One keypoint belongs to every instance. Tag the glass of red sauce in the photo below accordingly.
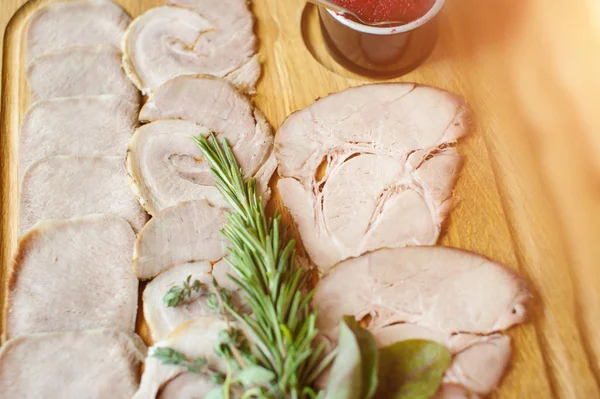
(381, 51)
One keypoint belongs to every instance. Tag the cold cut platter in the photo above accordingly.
(422, 206)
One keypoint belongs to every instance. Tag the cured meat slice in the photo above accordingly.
(76, 23)
(370, 167)
(98, 125)
(184, 233)
(73, 364)
(168, 168)
(194, 339)
(216, 105)
(66, 186)
(79, 71)
(79, 267)
(440, 288)
(213, 37)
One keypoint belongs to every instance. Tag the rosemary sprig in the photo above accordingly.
(282, 323)
(177, 294)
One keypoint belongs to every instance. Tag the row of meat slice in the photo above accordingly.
(368, 176)
(72, 270)
(74, 137)
(190, 37)
(175, 185)
(170, 177)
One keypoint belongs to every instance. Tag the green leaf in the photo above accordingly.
(216, 393)
(255, 375)
(411, 369)
(354, 371)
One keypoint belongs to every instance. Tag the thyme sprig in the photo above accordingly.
(177, 294)
(282, 324)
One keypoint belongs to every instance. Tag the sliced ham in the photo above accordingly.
(73, 364)
(66, 186)
(218, 106)
(213, 37)
(79, 71)
(457, 298)
(82, 268)
(194, 339)
(184, 233)
(97, 125)
(167, 166)
(76, 23)
(370, 167)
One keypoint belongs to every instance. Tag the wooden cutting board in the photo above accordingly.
(530, 191)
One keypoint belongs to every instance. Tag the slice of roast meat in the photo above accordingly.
(370, 167)
(480, 367)
(184, 233)
(97, 125)
(194, 339)
(161, 319)
(478, 363)
(72, 364)
(213, 37)
(79, 267)
(79, 71)
(187, 386)
(218, 106)
(167, 166)
(66, 186)
(76, 23)
(444, 289)
(454, 297)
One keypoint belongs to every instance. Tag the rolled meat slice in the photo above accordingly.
(194, 339)
(82, 268)
(79, 71)
(213, 104)
(168, 168)
(185, 233)
(187, 386)
(370, 167)
(96, 125)
(67, 186)
(72, 364)
(57, 26)
(212, 37)
(162, 319)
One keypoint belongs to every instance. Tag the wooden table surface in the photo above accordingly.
(530, 192)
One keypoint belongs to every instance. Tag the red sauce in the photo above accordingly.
(388, 10)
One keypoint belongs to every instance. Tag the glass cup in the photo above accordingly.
(381, 52)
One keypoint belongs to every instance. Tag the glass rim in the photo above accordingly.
(390, 30)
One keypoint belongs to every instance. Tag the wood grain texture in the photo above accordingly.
(530, 191)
